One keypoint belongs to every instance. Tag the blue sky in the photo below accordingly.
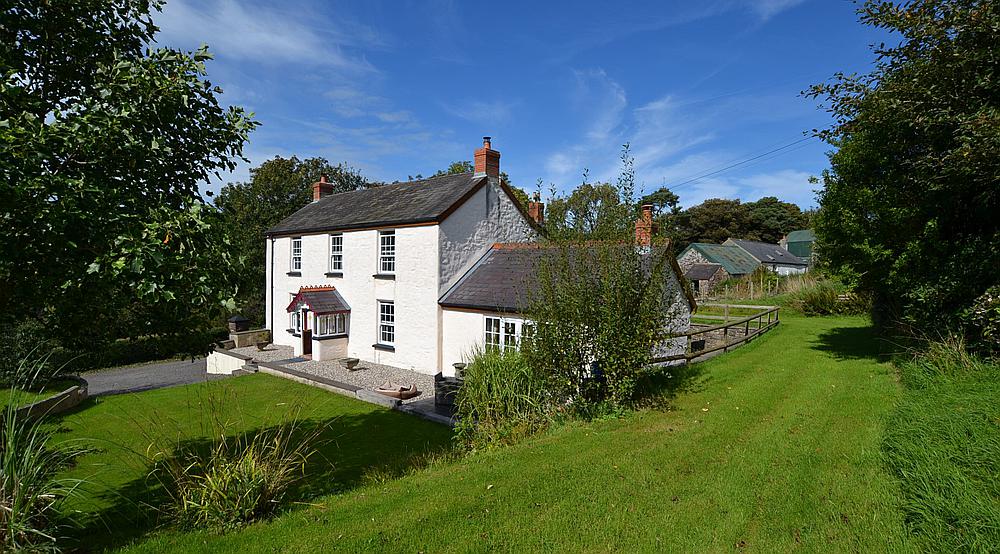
(398, 88)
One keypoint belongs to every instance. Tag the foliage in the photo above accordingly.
(31, 492)
(982, 322)
(277, 188)
(717, 219)
(240, 481)
(663, 200)
(104, 140)
(502, 399)
(602, 307)
(908, 208)
(943, 444)
(828, 297)
(463, 166)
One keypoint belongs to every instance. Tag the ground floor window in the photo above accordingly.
(504, 331)
(295, 321)
(332, 324)
(386, 323)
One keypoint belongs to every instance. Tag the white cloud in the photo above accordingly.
(491, 112)
(244, 31)
(766, 9)
(788, 184)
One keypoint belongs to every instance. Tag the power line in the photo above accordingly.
(737, 164)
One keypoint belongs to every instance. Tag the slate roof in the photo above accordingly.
(321, 300)
(698, 272)
(423, 201)
(504, 277)
(736, 260)
(768, 253)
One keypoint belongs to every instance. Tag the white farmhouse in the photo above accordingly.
(405, 274)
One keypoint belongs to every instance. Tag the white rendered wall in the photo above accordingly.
(461, 331)
(487, 217)
(414, 292)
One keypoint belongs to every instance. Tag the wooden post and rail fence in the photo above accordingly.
(733, 333)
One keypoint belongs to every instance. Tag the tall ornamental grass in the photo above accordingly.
(501, 399)
(31, 493)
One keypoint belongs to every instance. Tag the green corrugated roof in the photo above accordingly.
(805, 235)
(800, 243)
(733, 258)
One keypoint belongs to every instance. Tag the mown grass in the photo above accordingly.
(22, 397)
(358, 443)
(943, 443)
(774, 447)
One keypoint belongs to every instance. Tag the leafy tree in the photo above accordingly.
(664, 201)
(909, 206)
(104, 140)
(588, 211)
(277, 189)
(463, 166)
(769, 219)
(714, 220)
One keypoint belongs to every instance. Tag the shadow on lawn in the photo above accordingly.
(851, 343)
(352, 450)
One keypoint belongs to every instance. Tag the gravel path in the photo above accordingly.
(369, 375)
(146, 377)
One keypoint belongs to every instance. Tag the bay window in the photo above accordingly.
(331, 324)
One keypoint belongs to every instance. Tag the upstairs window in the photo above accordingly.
(337, 252)
(296, 264)
(332, 324)
(386, 323)
(387, 252)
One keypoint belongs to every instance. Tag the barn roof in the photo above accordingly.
(768, 253)
(735, 260)
(698, 272)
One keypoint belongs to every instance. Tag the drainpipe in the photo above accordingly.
(270, 305)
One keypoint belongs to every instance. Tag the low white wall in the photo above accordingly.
(222, 362)
(329, 349)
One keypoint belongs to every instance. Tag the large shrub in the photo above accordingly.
(982, 322)
(908, 207)
(502, 399)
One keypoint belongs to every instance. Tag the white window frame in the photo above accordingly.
(387, 252)
(331, 325)
(386, 323)
(294, 317)
(295, 254)
(502, 331)
(336, 252)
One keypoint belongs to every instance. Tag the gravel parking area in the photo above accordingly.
(368, 375)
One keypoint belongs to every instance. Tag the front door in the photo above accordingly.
(307, 334)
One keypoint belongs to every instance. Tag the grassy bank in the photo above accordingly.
(776, 447)
(361, 443)
(943, 443)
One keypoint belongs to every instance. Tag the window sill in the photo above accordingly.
(335, 274)
(294, 274)
(293, 333)
(324, 337)
(387, 276)
(386, 347)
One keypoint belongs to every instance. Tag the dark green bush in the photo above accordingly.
(982, 323)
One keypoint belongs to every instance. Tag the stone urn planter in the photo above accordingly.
(459, 368)
(350, 364)
(262, 345)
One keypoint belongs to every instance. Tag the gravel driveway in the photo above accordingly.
(146, 377)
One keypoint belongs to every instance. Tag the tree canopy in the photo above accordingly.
(104, 140)
(909, 206)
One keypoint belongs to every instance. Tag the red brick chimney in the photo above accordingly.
(536, 209)
(322, 188)
(487, 160)
(644, 226)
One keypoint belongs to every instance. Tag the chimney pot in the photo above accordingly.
(487, 160)
(536, 210)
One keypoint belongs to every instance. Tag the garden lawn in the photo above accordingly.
(361, 442)
(775, 447)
